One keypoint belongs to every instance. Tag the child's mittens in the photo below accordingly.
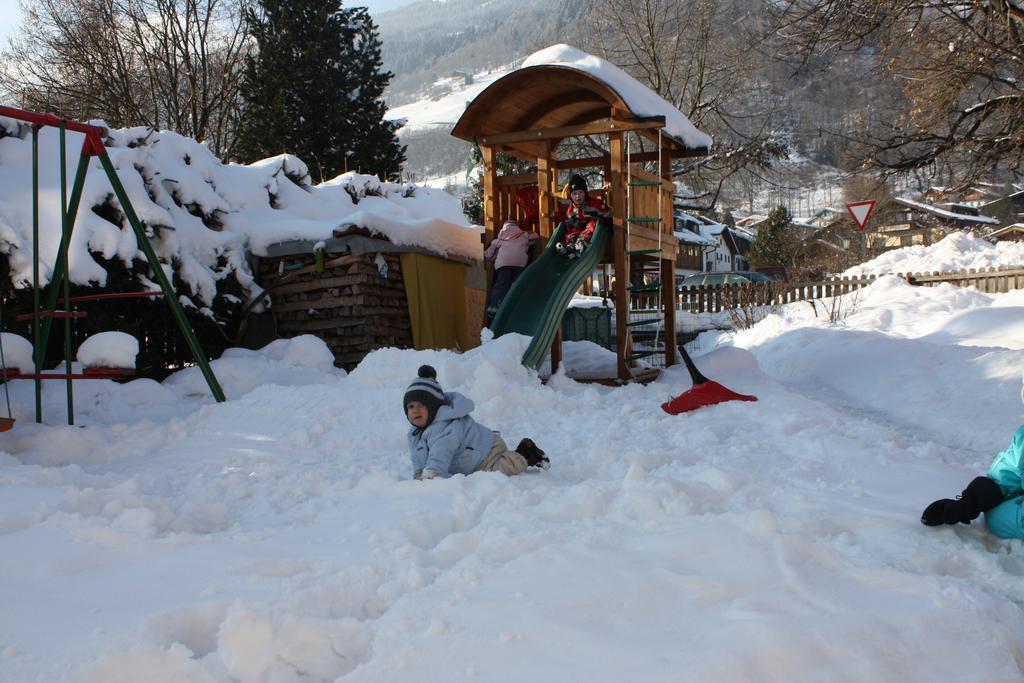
(944, 511)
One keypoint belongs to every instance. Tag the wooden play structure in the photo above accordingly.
(529, 114)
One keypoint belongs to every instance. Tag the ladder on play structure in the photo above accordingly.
(641, 320)
(42, 316)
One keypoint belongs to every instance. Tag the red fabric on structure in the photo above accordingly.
(528, 199)
(707, 394)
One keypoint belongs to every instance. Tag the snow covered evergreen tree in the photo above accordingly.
(312, 87)
(775, 244)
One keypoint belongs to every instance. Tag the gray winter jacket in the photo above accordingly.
(454, 443)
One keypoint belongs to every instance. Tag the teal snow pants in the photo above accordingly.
(1006, 520)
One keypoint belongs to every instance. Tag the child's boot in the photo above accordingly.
(534, 456)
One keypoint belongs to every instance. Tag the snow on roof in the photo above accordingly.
(171, 180)
(641, 100)
(751, 220)
(690, 237)
(703, 230)
(944, 213)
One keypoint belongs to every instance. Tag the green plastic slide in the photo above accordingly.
(538, 299)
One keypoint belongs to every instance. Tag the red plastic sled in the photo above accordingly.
(704, 392)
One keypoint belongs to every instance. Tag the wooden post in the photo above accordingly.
(546, 177)
(668, 302)
(668, 266)
(492, 221)
(492, 209)
(556, 351)
(617, 180)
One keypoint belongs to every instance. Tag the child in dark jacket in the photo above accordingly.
(444, 439)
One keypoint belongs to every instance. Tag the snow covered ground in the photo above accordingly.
(956, 251)
(278, 537)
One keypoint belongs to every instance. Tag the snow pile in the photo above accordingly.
(279, 536)
(17, 352)
(641, 100)
(109, 350)
(957, 251)
(204, 215)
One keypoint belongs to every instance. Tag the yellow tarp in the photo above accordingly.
(436, 291)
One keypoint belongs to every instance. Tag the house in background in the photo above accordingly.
(1011, 233)
(913, 222)
(1008, 209)
(721, 248)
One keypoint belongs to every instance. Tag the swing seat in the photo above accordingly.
(706, 394)
(6, 423)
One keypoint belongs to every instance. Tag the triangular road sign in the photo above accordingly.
(861, 212)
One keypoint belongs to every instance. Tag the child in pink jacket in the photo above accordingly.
(510, 251)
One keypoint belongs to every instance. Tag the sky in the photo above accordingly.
(10, 19)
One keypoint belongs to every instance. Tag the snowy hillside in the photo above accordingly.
(279, 536)
(443, 110)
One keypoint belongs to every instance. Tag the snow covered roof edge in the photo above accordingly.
(641, 100)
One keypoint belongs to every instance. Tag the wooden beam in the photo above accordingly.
(668, 300)
(546, 177)
(517, 179)
(556, 351)
(595, 128)
(491, 217)
(526, 151)
(668, 270)
(589, 162)
(617, 177)
(639, 157)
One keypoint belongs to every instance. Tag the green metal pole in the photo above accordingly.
(37, 350)
(165, 285)
(65, 239)
(56, 278)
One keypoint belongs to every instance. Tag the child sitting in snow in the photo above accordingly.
(1000, 495)
(445, 440)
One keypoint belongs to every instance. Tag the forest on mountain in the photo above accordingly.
(801, 97)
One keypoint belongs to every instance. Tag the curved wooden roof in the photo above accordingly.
(540, 97)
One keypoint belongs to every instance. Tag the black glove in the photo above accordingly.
(981, 494)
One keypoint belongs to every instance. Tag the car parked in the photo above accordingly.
(735, 277)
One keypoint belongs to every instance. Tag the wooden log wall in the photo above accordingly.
(348, 305)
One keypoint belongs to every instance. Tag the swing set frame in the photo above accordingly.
(43, 315)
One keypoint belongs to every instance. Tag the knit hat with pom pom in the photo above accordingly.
(425, 389)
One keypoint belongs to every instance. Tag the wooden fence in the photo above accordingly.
(710, 299)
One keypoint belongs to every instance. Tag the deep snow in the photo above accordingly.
(279, 538)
